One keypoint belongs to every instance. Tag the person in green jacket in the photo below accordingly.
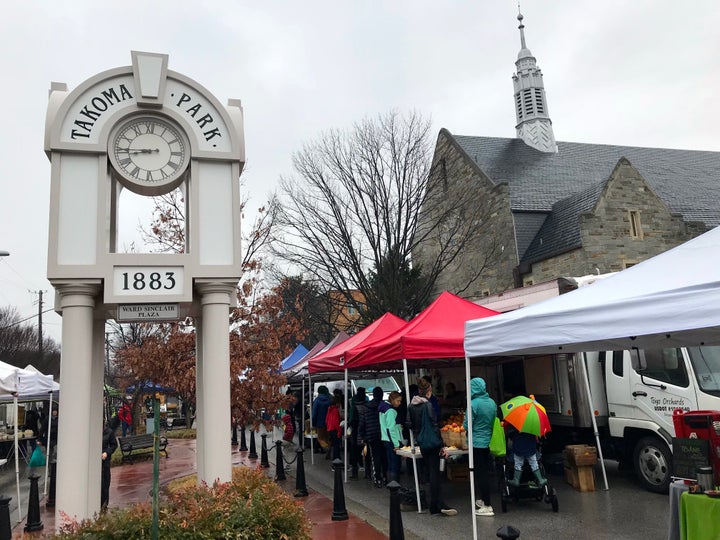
(484, 411)
(391, 434)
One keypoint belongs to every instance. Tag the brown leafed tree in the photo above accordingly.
(261, 330)
(358, 211)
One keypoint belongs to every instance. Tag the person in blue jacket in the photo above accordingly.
(484, 411)
(319, 412)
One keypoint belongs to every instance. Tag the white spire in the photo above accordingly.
(534, 126)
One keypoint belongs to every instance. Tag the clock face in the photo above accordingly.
(150, 154)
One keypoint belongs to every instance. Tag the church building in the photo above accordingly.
(563, 208)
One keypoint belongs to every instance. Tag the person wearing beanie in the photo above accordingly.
(420, 411)
(319, 412)
(356, 405)
(369, 431)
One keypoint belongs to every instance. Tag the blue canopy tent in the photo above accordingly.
(293, 358)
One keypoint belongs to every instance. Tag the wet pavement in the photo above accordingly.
(625, 511)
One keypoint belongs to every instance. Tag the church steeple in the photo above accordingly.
(534, 126)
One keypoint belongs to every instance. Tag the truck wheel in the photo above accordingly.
(652, 461)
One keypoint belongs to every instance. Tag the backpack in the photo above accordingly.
(428, 437)
(332, 419)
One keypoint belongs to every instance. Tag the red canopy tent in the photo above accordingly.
(334, 359)
(437, 332)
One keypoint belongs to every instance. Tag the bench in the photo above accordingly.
(139, 442)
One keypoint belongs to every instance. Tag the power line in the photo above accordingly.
(24, 320)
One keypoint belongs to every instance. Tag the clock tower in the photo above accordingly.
(150, 130)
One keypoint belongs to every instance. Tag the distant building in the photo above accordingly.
(344, 315)
(564, 208)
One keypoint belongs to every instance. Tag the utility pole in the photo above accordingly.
(40, 334)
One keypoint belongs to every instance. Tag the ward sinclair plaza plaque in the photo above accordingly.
(147, 312)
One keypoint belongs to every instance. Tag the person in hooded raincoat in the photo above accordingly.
(319, 412)
(484, 411)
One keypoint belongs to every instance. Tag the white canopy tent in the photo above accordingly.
(669, 300)
(21, 383)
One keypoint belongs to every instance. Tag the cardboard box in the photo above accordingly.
(580, 455)
(571, 476)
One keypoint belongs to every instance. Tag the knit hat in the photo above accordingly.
(360, 396)
(423, 386)
(322, 389)
(378, 392)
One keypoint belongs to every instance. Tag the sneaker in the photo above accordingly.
(448, 512)
(486, 511)
(479, 503)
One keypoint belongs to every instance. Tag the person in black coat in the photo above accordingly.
(109, 445)
(369, 431)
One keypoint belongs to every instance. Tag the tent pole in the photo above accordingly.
(344, 431)
(594, 423)
(471, 452)
(47, 458)
(412, 439)
(17, 459)
(312, 445)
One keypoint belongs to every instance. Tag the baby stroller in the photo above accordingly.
(528, 487)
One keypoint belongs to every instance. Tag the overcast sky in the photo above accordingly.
(633, 72)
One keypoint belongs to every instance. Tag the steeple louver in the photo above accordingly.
(534, 126)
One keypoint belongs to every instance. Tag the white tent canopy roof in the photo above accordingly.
(670, 300)
(15, 381)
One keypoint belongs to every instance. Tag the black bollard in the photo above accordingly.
(5, 528)
(264, 461)
(279, 462)
(33, 523)
(233, 439)
(300, 487)
(50, 502)
(396, 526)
(243, 444)
(339, 510)
(507, 532)
(253, 452)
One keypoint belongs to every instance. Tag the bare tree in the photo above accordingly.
(362, 205)
(19, 344)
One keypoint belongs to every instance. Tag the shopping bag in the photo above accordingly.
(37, 459)
(497, 440)
(428, 437)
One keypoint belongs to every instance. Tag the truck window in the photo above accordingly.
(617, 363)
(666, 365)
(706, 363)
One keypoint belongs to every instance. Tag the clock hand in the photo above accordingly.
(143, 151)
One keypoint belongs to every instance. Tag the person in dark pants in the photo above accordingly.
(420, 411)
(369, 431)
(109, 445)
(484, 411)
(356, 404)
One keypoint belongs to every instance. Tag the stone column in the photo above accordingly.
(97, 371)
(214, 374)
(77, 301)
(199, 401)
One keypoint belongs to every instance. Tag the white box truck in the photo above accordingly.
(633, 396)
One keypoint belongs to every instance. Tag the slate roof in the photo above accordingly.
(562, 185)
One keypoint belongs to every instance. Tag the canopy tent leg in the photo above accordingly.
(471, 457)
(312, 445)
(17, 459)
(412, 439)
(586, 379)
(344, 430)
(47, 447)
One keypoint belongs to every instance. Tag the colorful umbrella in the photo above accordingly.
(526, 415)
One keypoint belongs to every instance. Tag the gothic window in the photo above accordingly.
(635, 225)
(528, 101)
(518, 100)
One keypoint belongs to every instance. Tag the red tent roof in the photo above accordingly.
(437, 332)
(333, 359)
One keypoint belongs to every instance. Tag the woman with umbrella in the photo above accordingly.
(526, 420)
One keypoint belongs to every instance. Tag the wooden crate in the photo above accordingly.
(580, 455)
(581, 478)
(457, 471)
